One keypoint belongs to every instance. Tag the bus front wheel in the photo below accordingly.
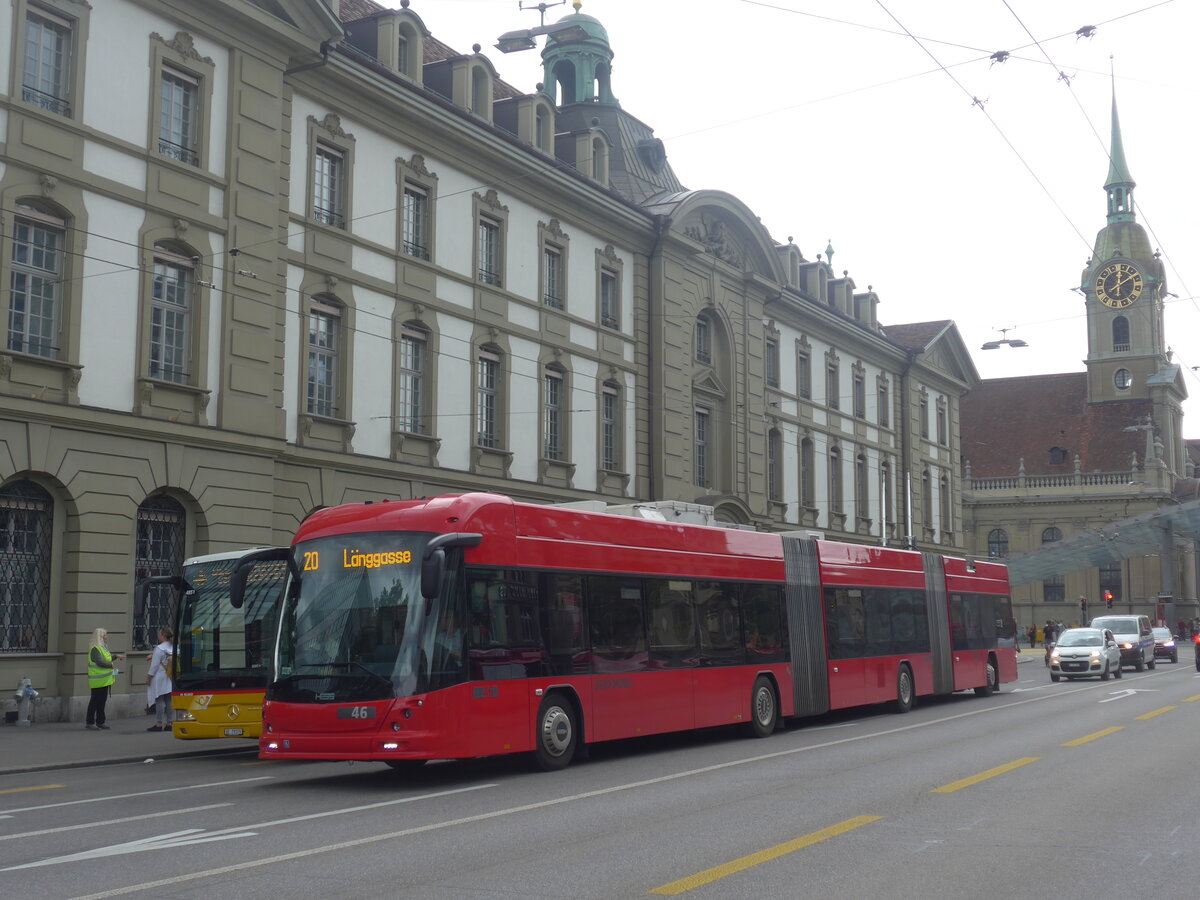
(557, 734)
(764, 711)
(904, 690)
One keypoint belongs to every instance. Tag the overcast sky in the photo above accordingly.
(854, 121)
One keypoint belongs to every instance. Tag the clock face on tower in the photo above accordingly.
(1118, 285)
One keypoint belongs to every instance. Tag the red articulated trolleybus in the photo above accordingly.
(473, 625)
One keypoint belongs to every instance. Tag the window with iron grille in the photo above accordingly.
(552, 414)
(609, 414)
(322, 379)
(26, 521)
(416, 221)
(47, 75)
(410, 416)
(329, 173)
(161, 534)
(178, 117)
(997, 543)
(35, 283)
(1120, 334)
(487, 386)
(170, 317)
(489, 252)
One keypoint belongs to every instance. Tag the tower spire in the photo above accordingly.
(1120, 184)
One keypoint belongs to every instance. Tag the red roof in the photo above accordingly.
(1005, 420)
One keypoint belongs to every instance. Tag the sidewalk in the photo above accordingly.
(53, 745)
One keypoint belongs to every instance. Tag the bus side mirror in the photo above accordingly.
(433, 561)
(433, 570)
(241, 572)
(139, 590)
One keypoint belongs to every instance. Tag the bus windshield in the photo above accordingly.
(355, 629)
(223, 647)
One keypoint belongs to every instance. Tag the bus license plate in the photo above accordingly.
(234, 732)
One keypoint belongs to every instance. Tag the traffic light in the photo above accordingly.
(1083, 608)
(1108, 599)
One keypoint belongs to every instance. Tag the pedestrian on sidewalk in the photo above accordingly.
(158, 681)
(101, 675)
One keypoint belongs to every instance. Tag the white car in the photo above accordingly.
(1085, 652)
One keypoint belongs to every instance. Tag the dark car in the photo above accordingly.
(1164, 644)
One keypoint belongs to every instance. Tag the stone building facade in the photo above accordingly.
(261, 257)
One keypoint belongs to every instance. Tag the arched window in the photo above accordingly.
(600, 160)
(26, 520)
(1120, 333)
(997, 543)
(161, 534)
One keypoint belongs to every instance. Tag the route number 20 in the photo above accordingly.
(311, 561)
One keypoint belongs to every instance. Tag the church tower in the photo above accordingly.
(1124, 287)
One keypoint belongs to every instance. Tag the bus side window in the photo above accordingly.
(672, 623)
(617, 623)
(560, 598)
(720, 628)
(765, 625)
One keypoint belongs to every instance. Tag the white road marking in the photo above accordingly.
(1129, 692)
(170, 812)
(200, 836)
(190, 787)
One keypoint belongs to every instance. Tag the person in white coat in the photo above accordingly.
(158, 681)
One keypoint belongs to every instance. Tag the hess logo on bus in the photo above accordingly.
(356, 559)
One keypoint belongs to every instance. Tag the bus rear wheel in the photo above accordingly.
(557, 734)
(992, 674)
(764, 710)
(904, 690)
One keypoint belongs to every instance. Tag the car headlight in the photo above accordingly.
(1095, 654)
(1168, 643)
(1054, 655)
(1127, 646)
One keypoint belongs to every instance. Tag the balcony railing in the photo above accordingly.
(178, 151)
(48, 102)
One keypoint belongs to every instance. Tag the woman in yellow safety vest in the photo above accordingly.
(101, 676)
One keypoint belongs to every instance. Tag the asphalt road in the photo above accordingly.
(1076, 789)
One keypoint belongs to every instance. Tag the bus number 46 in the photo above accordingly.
(356, 712)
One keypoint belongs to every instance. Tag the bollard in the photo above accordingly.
(25, 695)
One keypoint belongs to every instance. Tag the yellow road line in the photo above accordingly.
(1091, 737)
(718, 872)
(1157, 712)
(39, 787)
(1191, 699)
(984, 776)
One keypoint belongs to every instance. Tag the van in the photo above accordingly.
(1134, 636)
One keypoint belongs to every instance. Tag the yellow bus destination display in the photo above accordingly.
(356, 559)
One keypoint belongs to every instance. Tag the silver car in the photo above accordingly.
(1084, 652)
